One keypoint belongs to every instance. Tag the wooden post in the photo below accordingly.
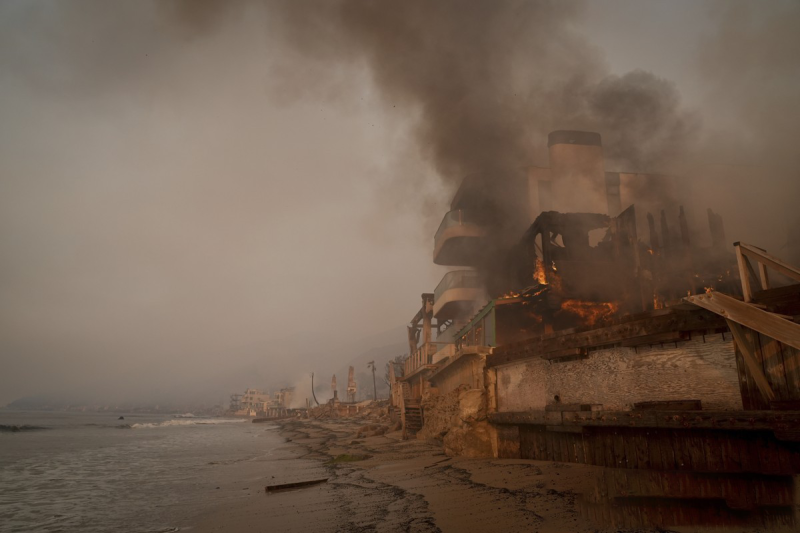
(769, 260)
(750, 360)
(762, 271)
(744, 273)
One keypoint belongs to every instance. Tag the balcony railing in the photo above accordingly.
(457, 279)
(422, 356)
(450, 242)
(452, 218)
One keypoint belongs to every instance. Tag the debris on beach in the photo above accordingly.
(295, 485)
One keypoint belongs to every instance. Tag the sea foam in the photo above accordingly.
(187, 422)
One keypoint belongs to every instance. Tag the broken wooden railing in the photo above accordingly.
(767, 343)
(745, 252)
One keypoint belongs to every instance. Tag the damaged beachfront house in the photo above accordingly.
(583, 322)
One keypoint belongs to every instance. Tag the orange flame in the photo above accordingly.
(510, 294)
(590, 312)
(539, 273)
(657, 303)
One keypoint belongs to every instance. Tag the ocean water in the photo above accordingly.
(91, 472)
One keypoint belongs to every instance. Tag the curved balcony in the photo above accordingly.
(458, 240)
(458, 295)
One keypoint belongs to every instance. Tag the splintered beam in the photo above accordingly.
(750, 316)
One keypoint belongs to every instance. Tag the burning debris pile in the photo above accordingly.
(580, 283)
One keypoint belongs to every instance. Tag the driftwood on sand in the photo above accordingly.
(295, 485)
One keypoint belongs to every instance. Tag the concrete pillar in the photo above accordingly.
(427, 316)
(577, 170)
(612, 194)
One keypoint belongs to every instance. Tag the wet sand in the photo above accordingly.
(407, 486)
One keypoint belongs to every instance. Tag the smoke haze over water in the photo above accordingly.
(199, 192)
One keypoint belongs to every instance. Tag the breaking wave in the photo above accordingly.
(187, 422)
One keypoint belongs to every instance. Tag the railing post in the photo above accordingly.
(762, 272)
(744, 273)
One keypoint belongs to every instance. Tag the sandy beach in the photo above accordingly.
(407, 485)
(404, 486)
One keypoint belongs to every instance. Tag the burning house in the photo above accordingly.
(547, 249)
(575, 336)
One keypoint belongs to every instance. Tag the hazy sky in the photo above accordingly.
(169, 208)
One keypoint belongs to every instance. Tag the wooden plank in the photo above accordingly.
(561, 446)
(778, 295)
(541, 448)
(769, 456)
(668, 458)
(589, 447)
(757, 319)
(764, 275)
(655, 457)
(695, 445)
(549, 449)
(718, 420)
(296, 485)
(791, 366)
(786, 457)
(751, 398)
(620, 453)
(572, 446)
(744, 273)
(526, 439)
(683, 460)
(731, 455)
(753, 365)
(630, 442)
(608, 449)
(772, 361)
(749, 452)
(769, 260)
(713, 451)
(642, 451)
(580, 456)
(598, 448)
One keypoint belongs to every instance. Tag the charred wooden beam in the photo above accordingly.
(635, 326)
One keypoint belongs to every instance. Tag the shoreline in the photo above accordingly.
(402, 485)
(382, 483)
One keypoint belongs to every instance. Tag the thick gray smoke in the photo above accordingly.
(161, 207)
(487, 81)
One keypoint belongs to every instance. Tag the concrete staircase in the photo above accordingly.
(411, 413)
(413, 416)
